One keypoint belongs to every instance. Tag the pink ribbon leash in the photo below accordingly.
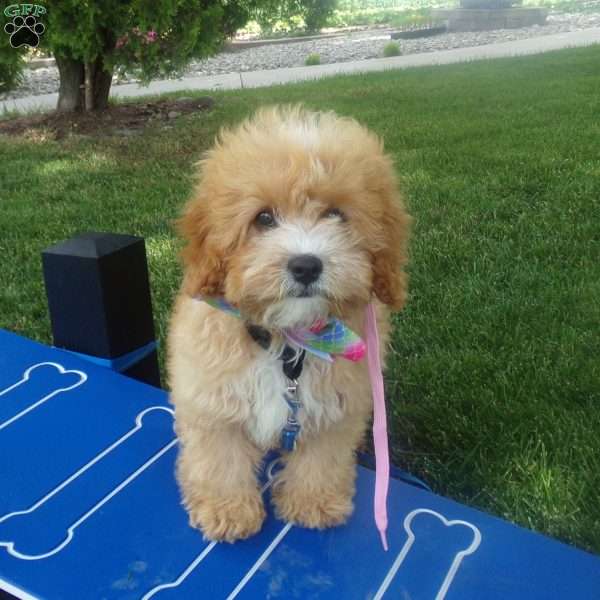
(380, 439)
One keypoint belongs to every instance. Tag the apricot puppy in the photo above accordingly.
(296, 219)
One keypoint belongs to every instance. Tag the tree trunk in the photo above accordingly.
(88, 74)
(83, 86)
(102, 83)
(70, 93)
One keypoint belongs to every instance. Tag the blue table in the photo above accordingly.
(89, 509)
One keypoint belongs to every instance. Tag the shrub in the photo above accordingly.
(388, 16)
(274, 15)
(316, 13)
(391, 49)
(312, 59)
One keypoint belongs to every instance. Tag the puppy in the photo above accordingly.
(296, 218)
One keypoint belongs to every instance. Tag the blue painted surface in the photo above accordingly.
(88, 475)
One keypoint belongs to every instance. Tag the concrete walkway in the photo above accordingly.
(252, 79)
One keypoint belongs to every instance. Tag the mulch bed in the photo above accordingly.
(121, 119)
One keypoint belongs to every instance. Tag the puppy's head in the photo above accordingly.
(296, 217)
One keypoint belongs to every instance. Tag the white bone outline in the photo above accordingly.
(138, 425)
(206, 551)
(26, 375)
(15, 591)
(71, 530)
(276, 541)
(441, 594)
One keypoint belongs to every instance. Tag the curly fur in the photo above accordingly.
(226, 389)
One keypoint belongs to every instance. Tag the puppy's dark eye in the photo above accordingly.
(265, 218)
(334, 213)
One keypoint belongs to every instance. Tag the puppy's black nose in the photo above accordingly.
(305, 268)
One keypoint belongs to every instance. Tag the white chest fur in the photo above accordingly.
(264, 384)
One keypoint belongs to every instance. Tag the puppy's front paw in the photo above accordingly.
(317, 510)
(227, 518)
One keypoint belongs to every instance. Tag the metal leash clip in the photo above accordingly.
(292, 426)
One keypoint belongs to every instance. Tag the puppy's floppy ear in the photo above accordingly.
(390, 281)
(203, 257)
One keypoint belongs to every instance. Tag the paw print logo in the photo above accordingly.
(24, 31)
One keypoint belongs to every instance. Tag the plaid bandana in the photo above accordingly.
(326, 339)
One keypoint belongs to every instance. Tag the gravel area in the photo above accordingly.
(354, 46)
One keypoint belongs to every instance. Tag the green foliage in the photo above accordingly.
(391, 49)
(378, 6)
(148, 38)
(11, 61)
(312, 59)
(404, 5)
(316, 13)
(310, 15)
(386, 16)
(489, 4)
(573, 6)
(276, 14)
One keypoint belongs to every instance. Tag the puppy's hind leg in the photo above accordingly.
(216, 469)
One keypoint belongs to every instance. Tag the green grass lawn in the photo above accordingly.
(494, 381)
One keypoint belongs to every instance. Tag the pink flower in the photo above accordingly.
(151, 36)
